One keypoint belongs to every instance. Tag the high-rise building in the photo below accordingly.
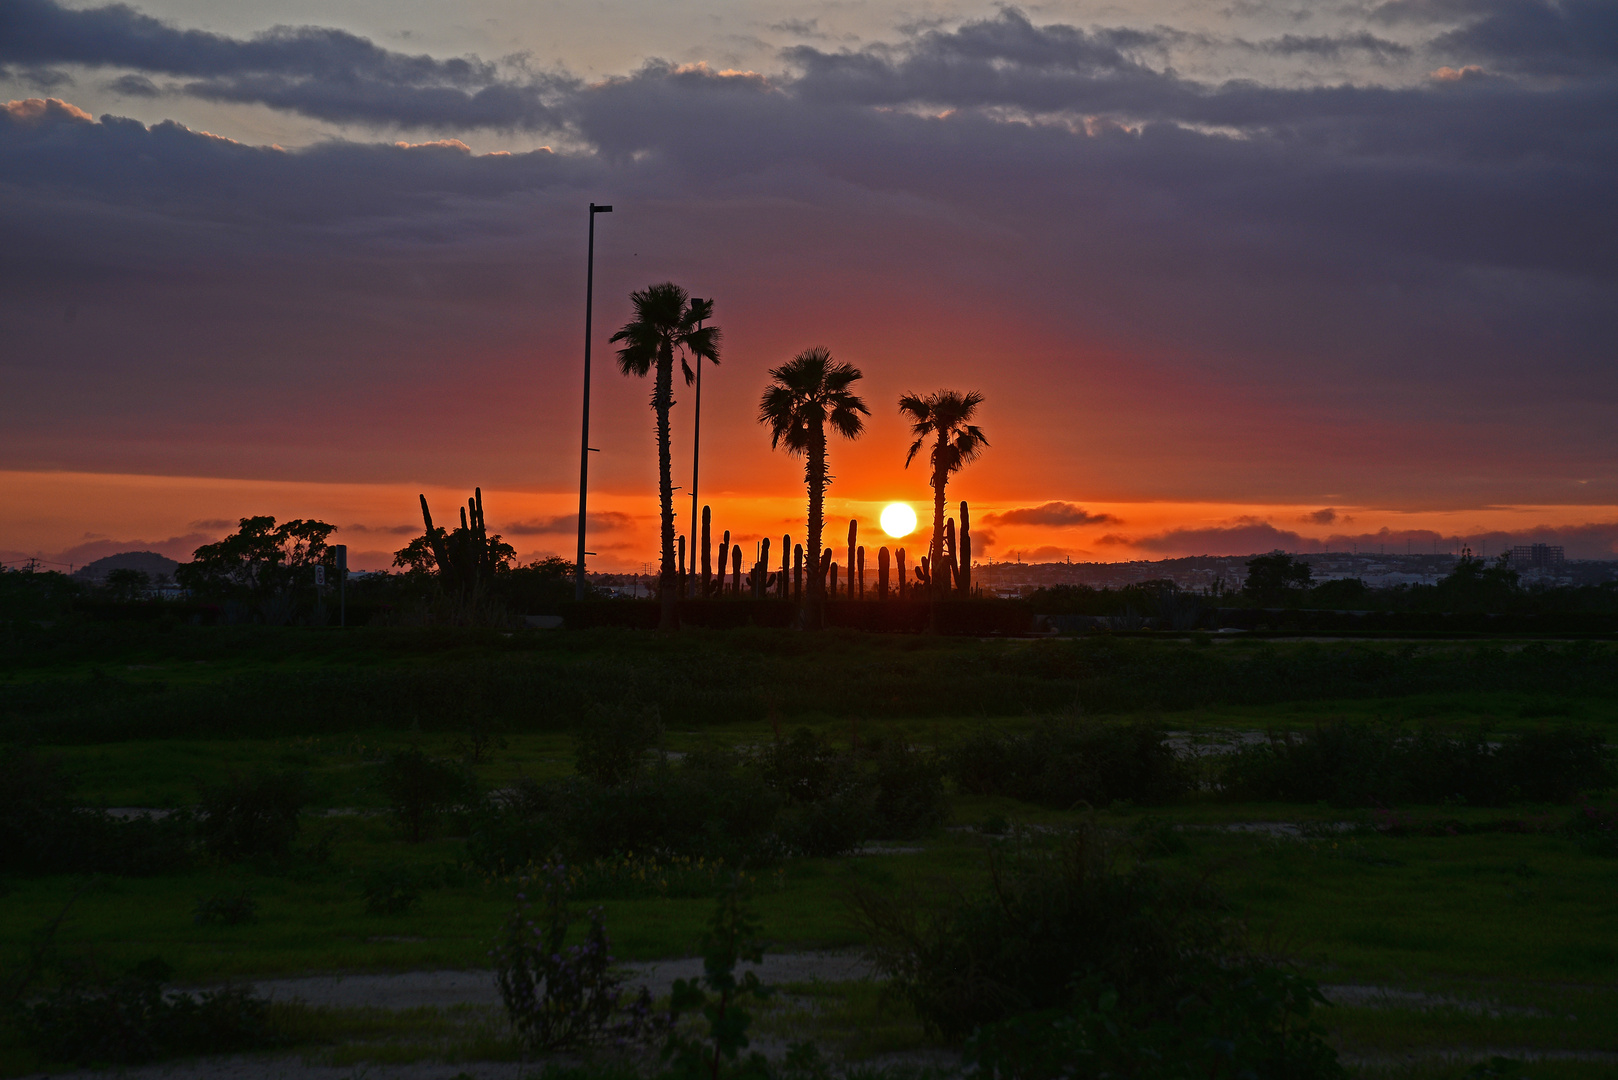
(1533, 556)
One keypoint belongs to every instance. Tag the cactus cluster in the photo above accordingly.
(467, 558)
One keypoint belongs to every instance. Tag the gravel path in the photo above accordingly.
(442, 989)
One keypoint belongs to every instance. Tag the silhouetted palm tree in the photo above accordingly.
(945, 417)
(666, 323)
(811, 391)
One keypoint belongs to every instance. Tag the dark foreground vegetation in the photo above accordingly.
(1110, 856)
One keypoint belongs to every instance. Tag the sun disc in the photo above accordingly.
(898, 520)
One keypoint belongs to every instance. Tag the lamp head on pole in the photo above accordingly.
(594, 209)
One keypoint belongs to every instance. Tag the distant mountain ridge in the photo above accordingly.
(150, 562)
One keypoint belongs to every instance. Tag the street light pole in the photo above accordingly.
(584, 440)
(696, 457)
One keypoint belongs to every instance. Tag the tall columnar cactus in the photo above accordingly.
(763, 567)
(899, 566)
(924, 574)
(736, 569)
(853, 537)
(823, 569)
(882, 573)
(832, 581)
(724, 563)
(707, 551)
(797, 573)
(859, 569)
(948, 578)
(465, 558)
(683, 578)
(963, 573)
(786, 566)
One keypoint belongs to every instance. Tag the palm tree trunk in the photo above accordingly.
(935, 559)
(662, 402)
(814, 474)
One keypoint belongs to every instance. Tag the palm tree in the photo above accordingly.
(665, 323)
(944, 416)
(809, 392)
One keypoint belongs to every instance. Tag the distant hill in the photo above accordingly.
(150, 562)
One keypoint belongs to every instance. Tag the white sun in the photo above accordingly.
(898, 519)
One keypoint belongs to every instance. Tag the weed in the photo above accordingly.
(732, 937)
(391, 890)
(563, 996)
(612, 743)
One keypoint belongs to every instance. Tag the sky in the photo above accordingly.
(1231, 275)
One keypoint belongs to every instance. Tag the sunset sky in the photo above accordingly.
(1232, 275)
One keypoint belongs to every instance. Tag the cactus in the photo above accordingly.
(882, 573)
(924, 572)
(859, 569)
(786, 567)
(963, 572)
(947, 571)
(853, 537)
(466, 558)
(707, 551)
(736, 569)
(797, 573)
(763, 568)
(899, 565)
(832, 582)
(681, 578)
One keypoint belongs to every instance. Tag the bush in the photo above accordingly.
(245, 816)
(693, 810)
(909, 791)
(1359, 764)
(42, 831)
(828, 804)
(613, 743)
(1070, 966)
(131, 1019)
(225, 909)
(1063, 764)
(420, 789)
(1243, 1023)
(391, 890)
(557, 995)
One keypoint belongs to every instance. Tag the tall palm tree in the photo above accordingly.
(666, 323)
(946, 418)
(809, 392)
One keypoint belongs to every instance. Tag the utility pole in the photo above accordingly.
(584, 439)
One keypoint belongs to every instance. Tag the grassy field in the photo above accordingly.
(1449, 946)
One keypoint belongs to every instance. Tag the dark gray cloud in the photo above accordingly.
(1335, 46)
(568, 524)
(1057, 514)
(324, 73)
(133, 86)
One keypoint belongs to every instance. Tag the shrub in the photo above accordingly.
(828, 805)
(732, 937)
(391, 890)
(43, 832)
(1351, 763)
(727, 816)
(612, 745)
(420, 789)
(1064, 764)
(1069, 965)
(1596, 827)
(556, 995)
(1243, 1023)
(975, 958)
(246, 816)
(131, 1019)
(225, 909)
(909, 791)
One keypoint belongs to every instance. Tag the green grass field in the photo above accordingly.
(1456, 946)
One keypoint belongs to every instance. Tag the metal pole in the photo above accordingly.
(696, 456)
(584, 437)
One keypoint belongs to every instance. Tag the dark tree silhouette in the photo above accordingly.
(809, 392)
(665, 323)
(946, 418)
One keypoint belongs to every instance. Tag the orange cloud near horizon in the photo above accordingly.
(74, 518)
